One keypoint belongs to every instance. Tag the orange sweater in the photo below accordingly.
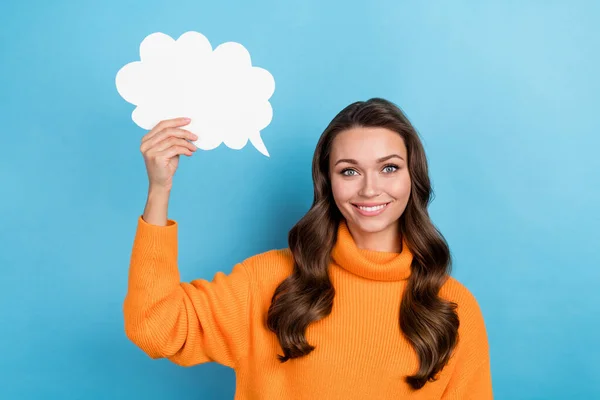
(360, 351)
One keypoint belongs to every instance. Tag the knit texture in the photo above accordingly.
(360, 351)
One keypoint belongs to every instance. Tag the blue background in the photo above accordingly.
(505, 95)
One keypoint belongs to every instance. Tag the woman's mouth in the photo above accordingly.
(370, 210)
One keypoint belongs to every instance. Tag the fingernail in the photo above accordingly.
(187, 119)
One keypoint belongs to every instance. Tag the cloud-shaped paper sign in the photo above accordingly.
(226, 97)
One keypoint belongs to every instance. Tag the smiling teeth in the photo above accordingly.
(372, 208)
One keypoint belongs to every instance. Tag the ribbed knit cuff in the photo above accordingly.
(155, 252)
(156, 236)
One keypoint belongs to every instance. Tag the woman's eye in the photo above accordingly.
(390, 168)
(348, 172)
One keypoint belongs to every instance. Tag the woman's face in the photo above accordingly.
(370, 179)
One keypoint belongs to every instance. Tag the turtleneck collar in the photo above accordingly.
(370, 264)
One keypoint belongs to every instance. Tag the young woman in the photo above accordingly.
(361, 304)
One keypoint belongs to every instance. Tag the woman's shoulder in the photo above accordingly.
(456, 291)
(270, 266)
(274, 256)
(468, 308)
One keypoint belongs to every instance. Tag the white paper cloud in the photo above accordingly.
(226, 97)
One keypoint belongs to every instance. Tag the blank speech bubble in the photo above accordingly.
(226, 97)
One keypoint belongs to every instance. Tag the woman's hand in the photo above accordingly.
(161, 148)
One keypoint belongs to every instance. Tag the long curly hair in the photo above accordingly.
(427, 321)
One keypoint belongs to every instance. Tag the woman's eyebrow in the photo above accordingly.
(380, 160)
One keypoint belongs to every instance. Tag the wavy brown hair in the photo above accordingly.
(428, 322)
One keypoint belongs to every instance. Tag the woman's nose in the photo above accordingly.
(369, 187)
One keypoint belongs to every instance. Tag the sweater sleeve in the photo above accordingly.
(188, 323)
(471, 378)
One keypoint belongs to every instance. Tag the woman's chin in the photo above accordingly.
(370, 225)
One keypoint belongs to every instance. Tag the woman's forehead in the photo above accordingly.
(367, 144)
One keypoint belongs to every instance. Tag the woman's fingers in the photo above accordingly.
(174, 151)
(165, 124)
(173, 141)
(167, 134)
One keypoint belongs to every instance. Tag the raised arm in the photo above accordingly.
(188, 323)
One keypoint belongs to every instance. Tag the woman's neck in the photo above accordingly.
(387, 240)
